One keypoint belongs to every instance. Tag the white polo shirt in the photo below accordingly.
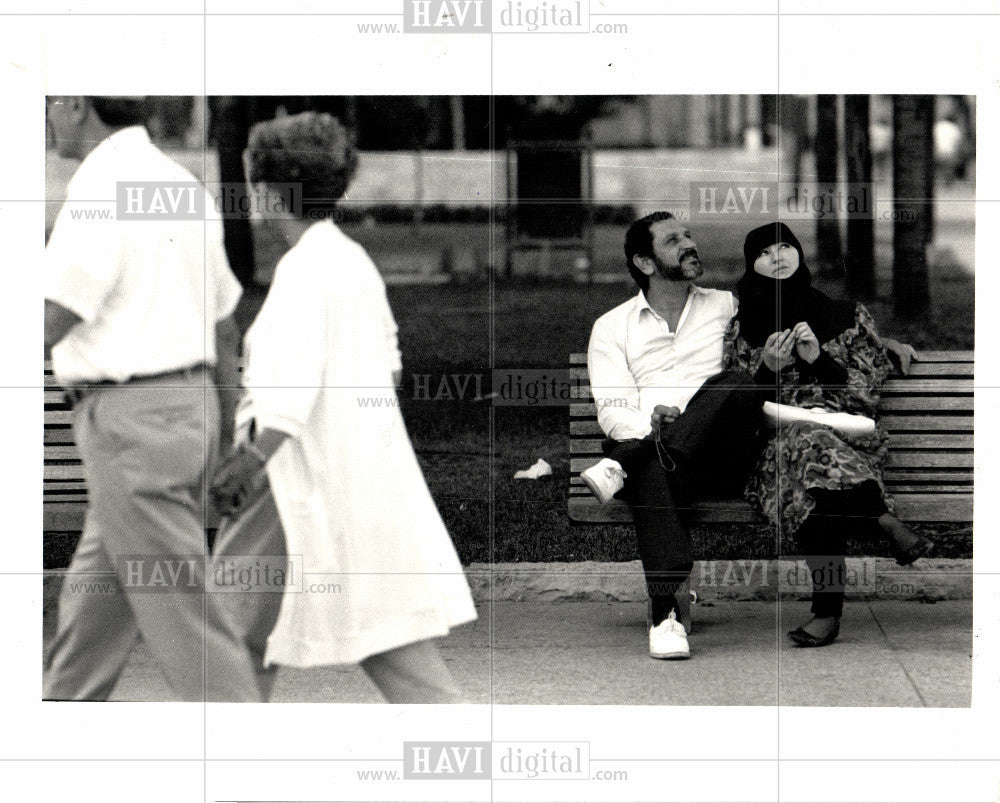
(635, 362)
(149, 292)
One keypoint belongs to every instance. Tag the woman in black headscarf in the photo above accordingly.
(807, 351)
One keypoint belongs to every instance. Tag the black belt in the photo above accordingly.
(74, 393)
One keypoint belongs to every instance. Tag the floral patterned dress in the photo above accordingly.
(803, 456)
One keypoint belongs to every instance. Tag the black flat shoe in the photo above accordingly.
(804, 639)
(921, 549)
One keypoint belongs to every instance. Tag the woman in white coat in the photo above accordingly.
(321, 415)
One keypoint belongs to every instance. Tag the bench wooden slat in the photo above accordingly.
(902, 490)
(928, 423)
(920, 372)
(940, 387)
(946, 356)
(64, 472)
(59, 417)
(929, 476)
(964, 369)
(56, 435)
(911, 460)
(946, 387)
(960, 480)
(584, 427)
(582, 490)
(890, 404)
(929, 459)
(901, 440)
(925, 404)
(899, 460)
(62, 452)
(909, 507)
(66, 516)
(580, 357)
(935, 443)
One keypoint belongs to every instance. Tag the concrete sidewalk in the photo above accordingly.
(890, 653)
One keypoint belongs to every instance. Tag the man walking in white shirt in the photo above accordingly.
(672, 415)
(137, 321)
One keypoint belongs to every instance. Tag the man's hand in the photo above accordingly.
(239, 478)
(806, 342)
(903, 352)
(778, 350)
(663, 415)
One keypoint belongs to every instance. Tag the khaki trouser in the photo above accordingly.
(139, 567)
(243, 543)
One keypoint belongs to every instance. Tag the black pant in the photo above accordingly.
(823, 539)
(712, 445)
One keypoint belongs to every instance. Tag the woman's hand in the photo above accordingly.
(238, 478)
(806, 342)
(778, 350)
(903, 352)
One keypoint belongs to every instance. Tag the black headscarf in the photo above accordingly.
(773, 305)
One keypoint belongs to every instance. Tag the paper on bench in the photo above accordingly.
(779, 415)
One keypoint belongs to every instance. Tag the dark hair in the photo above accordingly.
(310, 149)
(639, 241)
(118, 112)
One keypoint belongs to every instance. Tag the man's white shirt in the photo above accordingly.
(149, 292)
(636, 363)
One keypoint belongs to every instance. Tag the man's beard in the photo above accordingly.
(688, 267)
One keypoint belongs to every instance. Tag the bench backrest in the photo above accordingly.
(64, 492)
(929, 416)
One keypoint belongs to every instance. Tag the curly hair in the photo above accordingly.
(639, 240)
(310, 149)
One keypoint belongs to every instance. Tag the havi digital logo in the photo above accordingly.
(447, 16)
(437, 760)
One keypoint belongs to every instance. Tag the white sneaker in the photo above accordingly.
(605, 479)
(668, 640)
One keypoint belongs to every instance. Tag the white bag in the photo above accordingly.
(778, 415)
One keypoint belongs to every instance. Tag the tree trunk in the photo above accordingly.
(230, 126)
(913, 191)
(828, 224)
(351, 115)
(860, 258)
(457, 122)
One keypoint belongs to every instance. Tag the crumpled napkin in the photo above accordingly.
(539, 469)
